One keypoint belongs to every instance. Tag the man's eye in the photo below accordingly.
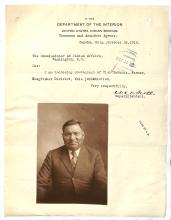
(76, 133)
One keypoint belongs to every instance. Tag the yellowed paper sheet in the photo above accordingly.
(103, 65)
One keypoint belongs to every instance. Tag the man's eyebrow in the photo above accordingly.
(72, 132)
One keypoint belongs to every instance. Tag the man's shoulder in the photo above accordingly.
(57, 151)
(60, 150)
(92, 150)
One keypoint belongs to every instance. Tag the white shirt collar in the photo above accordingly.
(70, 153)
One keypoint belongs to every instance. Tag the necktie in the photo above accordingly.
(73, 159)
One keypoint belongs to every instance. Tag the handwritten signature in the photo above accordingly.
(138, 92)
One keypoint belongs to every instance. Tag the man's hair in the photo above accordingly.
(72, 122)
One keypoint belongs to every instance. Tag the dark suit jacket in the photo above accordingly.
(59, 183)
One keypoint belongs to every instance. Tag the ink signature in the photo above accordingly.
(133, 94)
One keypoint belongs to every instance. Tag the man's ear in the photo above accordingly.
(83, 134)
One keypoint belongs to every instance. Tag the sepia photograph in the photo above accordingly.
(72, 153)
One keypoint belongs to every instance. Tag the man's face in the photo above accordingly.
(73, 136)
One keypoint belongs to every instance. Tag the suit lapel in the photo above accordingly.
(66, 160)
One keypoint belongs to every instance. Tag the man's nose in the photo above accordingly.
(72, 137)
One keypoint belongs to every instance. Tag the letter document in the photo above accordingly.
(62, 56)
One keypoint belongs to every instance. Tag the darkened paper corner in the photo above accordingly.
(105, 66)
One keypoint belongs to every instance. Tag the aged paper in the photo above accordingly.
(78, 55)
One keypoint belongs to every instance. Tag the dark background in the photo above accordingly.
(52, 116)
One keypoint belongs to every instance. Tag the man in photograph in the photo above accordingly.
(72, 173)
